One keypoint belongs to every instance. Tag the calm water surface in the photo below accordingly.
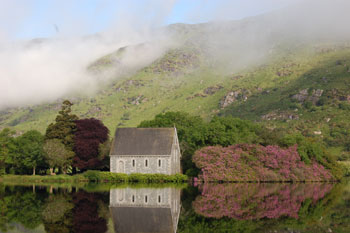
(312, 207)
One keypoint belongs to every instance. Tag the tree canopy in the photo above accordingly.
(64, 126)
(57, 155)
(5, 141)
(30, 149)
(89, 136)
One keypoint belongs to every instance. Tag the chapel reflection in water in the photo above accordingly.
(145, 209)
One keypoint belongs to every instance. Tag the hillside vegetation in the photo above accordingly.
(300, 87)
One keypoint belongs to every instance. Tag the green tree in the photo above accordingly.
(227, 131)
(57, 155)
(64, 126)
(5, 141)
(30, 146)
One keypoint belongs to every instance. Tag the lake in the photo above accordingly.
(244, 207)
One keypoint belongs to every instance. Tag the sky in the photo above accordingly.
(28, 19)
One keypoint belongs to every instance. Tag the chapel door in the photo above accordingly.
(121, 167)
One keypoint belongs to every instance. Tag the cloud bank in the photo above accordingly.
(43, 70)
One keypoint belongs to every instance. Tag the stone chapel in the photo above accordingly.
(145, 150)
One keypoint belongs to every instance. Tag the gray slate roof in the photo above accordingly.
(143, 141)
(142, 220)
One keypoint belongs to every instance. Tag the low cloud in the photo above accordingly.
(43, 70)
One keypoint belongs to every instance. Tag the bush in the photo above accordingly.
(98, 176)
(346, 167)
(244, 163)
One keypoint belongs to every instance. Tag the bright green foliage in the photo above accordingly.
(57, 155)
(346, 166)
(311, 149)
(227, 131)
(64, 126)
(30, 149)
(5, 144)
(98, 176)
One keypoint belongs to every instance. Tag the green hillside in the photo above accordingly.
(301, 87)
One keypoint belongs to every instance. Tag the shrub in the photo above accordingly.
(346, 167)
(98, 176)
(245, 162)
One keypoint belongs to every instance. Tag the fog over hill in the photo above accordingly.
(43, 70)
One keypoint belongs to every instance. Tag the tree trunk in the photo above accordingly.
(51, 171)
(33, 171)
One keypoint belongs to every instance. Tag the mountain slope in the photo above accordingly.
(280, 77)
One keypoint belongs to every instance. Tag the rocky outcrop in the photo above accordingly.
(304, 95)
(212, 90)
(229, 98)
(207, 92)
(137, 100)
(315, 96)
(301, 96)
(124, 87)
(284, 73)
(233, 96)
(280, 116)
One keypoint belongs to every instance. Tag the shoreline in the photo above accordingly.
(98, 177)
(95, 177)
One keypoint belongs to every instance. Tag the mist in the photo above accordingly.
(237, 45)
(41, 70)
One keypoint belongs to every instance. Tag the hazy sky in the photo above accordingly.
(27, 19)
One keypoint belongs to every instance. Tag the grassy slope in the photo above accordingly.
(178, 80)
(328, 70)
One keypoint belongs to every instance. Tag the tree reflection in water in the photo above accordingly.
(257, 201)
(88, 213)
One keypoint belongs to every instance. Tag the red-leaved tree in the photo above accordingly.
(89, 136)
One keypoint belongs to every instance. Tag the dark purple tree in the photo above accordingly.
(89, 216)
(88, 138)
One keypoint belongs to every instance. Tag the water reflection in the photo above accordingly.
(145, 209)
(257, 201)
(48, 209)
(97, 208)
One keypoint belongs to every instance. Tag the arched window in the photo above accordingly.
(146, 163)
(146, 199)
(159, 162)
(133, 162)
(133, 199)
(159, 199)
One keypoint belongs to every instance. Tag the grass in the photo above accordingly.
(96, 177)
